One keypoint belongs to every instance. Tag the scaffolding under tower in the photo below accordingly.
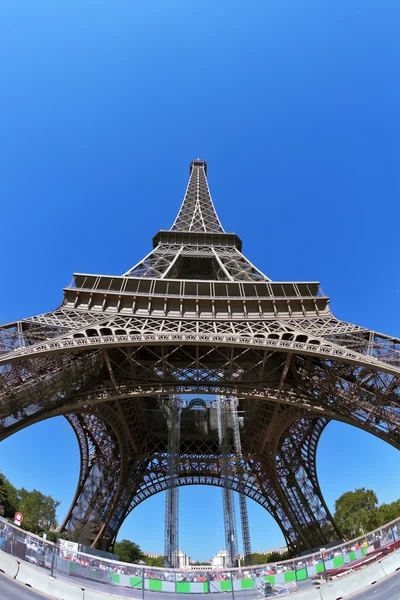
(240, 468)
(223, 413)
(231, 451)
(171, 541)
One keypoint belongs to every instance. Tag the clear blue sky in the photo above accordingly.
(295, 106)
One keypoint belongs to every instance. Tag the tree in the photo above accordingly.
(54, 536)
(39, 510)
(8, 497)
(258, 558)
(274, 557)
(388, 512)
(128, 551)
(156, 561)
(356, 512)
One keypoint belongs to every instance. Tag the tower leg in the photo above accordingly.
(99, 481)
(295, 455)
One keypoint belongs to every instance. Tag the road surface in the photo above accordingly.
(388, 589)
(13, 590)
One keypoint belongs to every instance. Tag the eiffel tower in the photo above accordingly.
(195, 316)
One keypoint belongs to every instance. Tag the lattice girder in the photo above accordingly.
(100, 475)
(197, 212)
(267, 334)
(199, 465)
(358, 393)
(196, 316)
(293, 442)
(151, 476)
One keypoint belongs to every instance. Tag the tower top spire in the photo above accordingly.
(197, 212)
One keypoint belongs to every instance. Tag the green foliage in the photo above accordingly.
(274, 557)
(356, 512)
(39, 510)
(128, 551)
(388, 512)
(258, 558)
(54, 536)
(8, 497)
(154, 562)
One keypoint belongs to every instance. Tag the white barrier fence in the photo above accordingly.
(334, 590)
(82, 571)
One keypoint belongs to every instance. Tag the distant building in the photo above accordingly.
(184, 559)
(220, 560)
(153, 555)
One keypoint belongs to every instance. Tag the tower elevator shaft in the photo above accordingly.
(171, 541)
(240, 467)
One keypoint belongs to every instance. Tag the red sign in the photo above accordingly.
(18, 517)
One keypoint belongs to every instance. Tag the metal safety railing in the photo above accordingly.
(90, 570)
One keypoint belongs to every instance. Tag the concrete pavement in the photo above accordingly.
(388, 589)
(12, 590)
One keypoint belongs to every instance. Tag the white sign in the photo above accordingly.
(18, 518)
(68, 546)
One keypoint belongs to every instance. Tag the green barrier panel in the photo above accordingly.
(73, 567)
(289, 576)
(135, 582)
(183, 587)
(338, 561)
(319, 567)
(155, 585)
(205, 587)
(115, 578)
(247, 584)
(352, 556)
(226, 586)
(363, 552)
(301, 574)
(270, 578)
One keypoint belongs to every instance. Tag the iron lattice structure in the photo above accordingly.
(195, 316)
(240, 466)
(228, 505)
(171, 542)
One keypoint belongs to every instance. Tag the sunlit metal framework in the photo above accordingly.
(228, 504)
(171, 541)
(231, 454)
(195, 316)
(240, 467)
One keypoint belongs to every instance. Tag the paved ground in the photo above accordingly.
(388, 589)
(12, 590)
